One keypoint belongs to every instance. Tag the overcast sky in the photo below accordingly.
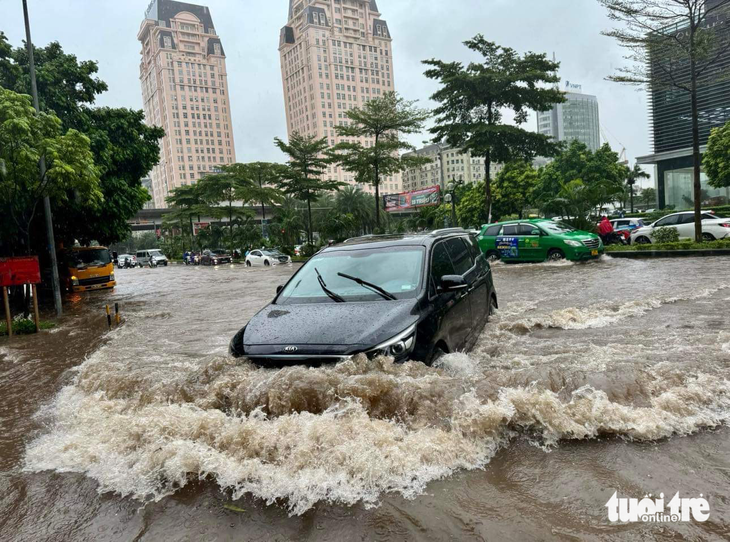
(106, 30)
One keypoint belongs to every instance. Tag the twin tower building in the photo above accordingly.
(335, 55)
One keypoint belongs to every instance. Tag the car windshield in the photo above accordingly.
(219, 252)
(556, 227)
(270, 253)
(155, 253)
(397, 270)
(78, 259)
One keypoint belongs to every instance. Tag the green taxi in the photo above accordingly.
(537, 240)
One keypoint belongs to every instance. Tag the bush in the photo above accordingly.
(680, 245)
(666, 235)
(309, 250)
(25, 327)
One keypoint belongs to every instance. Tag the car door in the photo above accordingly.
(666, 222)
(530, 243)
(479, 295)
(509, 244)
(256, 257)
(452, 308)
(686, 226)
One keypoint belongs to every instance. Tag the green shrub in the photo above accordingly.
(666, 235)
(25, 327)
(309, 250)
(679, 245)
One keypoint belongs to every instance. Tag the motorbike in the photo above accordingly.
(613, 238)
(153, 263)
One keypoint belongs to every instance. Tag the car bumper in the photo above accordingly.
(103, 286)
(582, 254)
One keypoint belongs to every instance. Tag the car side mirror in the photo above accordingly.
(279, 288)
(452, 283)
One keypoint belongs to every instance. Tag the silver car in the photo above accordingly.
(144, 256)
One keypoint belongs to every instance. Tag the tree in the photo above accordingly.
(717, 157)
(288, 221)
(633, 177)
(353, 200)
(383, 120)
(673, 50)
(580, 181)
(474, 97)
(514, 187)
(25, 138)
(125, 149)
(648, 197)
(186, 203)
(266, 175)
(309, 158)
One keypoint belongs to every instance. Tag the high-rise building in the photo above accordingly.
(671, 120)
(576, 119)
(185, 91)
(447, 164)
(335, 55)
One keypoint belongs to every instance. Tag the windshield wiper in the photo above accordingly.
(330, 293)
(374, 287)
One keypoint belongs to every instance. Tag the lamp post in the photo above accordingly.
(451, 198)
(46, 200)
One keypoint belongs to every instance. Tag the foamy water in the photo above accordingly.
(158, 406)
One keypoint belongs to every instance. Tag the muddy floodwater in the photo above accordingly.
(591, 379)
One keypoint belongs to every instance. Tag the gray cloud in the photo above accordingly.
(106, 30)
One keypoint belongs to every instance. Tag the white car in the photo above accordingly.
(266, 258)
(122, 257)
(144, 257)
(713, 227)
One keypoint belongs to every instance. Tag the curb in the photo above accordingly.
(637, 254)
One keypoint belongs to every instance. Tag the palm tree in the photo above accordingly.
(288, 220)
(632, 178)
(354, 201)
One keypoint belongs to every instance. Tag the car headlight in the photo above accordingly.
(398, 346)
(572, 243)
(111, 277)
(74, 281)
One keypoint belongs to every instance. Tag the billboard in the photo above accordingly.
(412, 200)
(19, 271)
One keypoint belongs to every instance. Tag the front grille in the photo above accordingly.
(94, 281)
(591, 243)
(283, 259)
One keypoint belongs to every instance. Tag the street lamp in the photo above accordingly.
(451, 198)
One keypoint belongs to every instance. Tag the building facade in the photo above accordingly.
(447, 165)
(335, 56)
(576, 119)
(185, 91)
(671, 123)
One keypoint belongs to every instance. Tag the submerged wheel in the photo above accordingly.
(266, 263)
(492, 307)
(492, 256)
(248, 263)
(236, 346)
(642, 240)
(555, 255)
(438, 352)
(708, 237)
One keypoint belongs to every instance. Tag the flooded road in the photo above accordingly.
(592, 378)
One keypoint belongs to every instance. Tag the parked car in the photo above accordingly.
(412, 297)
(215, 257)
(266, 258)
(626, 226)
(124, 257)
(713, 227)
(537, 240)
(144, 256)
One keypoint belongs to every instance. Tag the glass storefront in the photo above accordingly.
(678, 190)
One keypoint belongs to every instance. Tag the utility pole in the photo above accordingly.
(46, 200)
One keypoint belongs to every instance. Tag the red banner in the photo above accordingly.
(19, 271)
(412, 200)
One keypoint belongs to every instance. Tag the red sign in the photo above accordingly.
(197, 226)
(19, 271)
(412, 200)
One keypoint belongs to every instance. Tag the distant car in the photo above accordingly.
(537, 240)
(215, 257)
(266, 258)
(626, 226)
(144, 256)
(123, 257)
(713, 227)
(411, 297)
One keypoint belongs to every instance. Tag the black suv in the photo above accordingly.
(413, 296)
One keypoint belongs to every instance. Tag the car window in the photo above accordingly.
(140, 254)
(622, 223)
(640, 223)
(493, 231)
(671, 220)
(256, 253)
(527, 229)
(441, 263)
(708, 216)
(510, 230)
(473, 245)
(686, 219)
(460, 255)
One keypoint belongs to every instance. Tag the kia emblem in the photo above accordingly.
(291, 349)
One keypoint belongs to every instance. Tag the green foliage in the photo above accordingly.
(648, 197)
(303, 179)
(579, 182)
(25, 327)
(384, 120)
(471, 210)
(26, 138)
(717, 157)
(124, 148)
(679, 245)
(473, 99)
(514, 187)
(666, 235)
